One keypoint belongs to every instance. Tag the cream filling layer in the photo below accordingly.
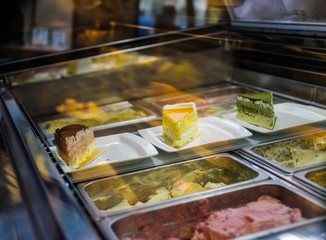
(265, 105)
(183, 139)
(258, 120)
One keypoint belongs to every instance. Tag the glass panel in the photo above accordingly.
(35, 28)
(284, 11)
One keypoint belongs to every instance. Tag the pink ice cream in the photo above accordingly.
(265, 213)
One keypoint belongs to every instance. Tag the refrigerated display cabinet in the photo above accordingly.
(116, 66)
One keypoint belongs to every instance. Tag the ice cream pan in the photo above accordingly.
(112, 115)
(313, 178)
(118, 194)
(178, 220)
(292, 154)
(201, 98)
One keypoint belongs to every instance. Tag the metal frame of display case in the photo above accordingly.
(52, 210)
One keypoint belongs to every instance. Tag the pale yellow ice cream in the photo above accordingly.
(160, 194)
(318, 177)
(211, 185)
(124, 204)
(165, 186)
(298, 152)
(180, 187)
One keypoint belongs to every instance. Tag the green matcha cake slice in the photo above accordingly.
(257, 109)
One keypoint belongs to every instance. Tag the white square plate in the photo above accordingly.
(118, 149)
(289, 115)
(213, 130)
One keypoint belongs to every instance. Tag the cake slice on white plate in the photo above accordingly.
(257, 109)
(180, 123)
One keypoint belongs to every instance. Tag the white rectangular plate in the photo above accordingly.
(118, 149)
(213, 130)
(289, 115)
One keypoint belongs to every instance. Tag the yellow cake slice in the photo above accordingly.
(179, 122)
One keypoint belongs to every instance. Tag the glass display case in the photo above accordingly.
(112, 66)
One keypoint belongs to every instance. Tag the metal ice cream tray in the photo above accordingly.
(178, 219)
(166, 183)
(283, 153)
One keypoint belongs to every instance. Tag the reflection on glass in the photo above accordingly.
(57, 25)
(318, 177)
(279, 10)
(40, 37)
(179, 14)
(59, 39)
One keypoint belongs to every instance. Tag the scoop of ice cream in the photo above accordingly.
(181, 187)
(318, 177)
(298, 152)
(266, 213)
(211, 185)
(124, 204)
(160, 194)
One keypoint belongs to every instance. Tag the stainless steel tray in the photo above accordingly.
(304, 177)
(105, 109)
(177, 219)
(202, 98)
(153, 186)
(284, 170)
